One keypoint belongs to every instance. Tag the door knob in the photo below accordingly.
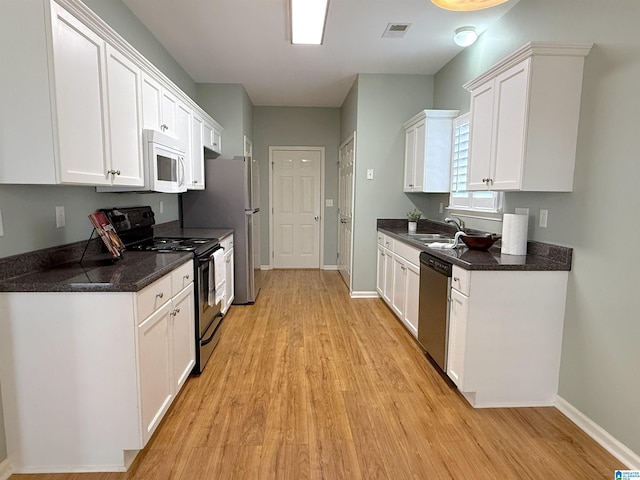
(316, 218)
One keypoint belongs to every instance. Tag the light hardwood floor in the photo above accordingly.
(309, 384)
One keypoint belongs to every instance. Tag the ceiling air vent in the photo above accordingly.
(396, 30)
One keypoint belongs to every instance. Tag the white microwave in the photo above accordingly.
(164, 165)
(164, 162)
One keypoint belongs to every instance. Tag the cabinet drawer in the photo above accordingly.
(461, 280)
(407, 252)
(152, 297)
(385, 240)
(181, 277)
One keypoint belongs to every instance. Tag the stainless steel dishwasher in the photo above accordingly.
(433, 313)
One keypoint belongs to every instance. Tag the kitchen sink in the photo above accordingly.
(430, 237)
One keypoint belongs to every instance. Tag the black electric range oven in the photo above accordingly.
(135, 227)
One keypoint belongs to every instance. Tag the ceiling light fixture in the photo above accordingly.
(465, 36)
(466, 5)
(308, 18)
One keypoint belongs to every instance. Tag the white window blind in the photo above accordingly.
(459, 198)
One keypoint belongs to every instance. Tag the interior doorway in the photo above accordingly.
(296, 194)
(346, 165)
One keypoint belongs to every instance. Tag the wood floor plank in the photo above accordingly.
(308, 383)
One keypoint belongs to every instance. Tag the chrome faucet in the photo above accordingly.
(459, 224)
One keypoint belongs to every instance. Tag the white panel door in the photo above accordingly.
(346, 167)
(296, 208)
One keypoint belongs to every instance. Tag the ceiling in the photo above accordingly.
(247, 42)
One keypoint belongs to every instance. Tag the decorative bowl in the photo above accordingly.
(481, 241)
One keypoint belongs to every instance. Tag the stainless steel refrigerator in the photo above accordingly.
(231, 200)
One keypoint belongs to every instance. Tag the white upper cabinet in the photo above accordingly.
(75, 99)
(211, 137)
(63, 109)
(195, 180)
(427, 157)
(123, 81)
(524, 119)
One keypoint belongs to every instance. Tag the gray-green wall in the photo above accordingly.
(230, 105)
(299, 126)
(383, 104)
(599, 219)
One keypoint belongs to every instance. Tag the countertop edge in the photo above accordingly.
(540, 264)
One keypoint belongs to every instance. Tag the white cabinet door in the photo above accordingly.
(228, 278)
(381, 276)
(412, 295)
(124, 103)
(399, 286)
(388, 277)
(79, 60)
(419, 156)
(196, 179)
(458, 318)
(512, 89)
(481, 139)
(156, 382)
(169, 110)
(151, 103)
(182, 336)
(409, 158)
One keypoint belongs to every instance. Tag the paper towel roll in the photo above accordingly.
(514, 234)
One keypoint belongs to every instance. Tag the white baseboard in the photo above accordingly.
(330, 267)
(5, 469)
(599, 434)
(365, 294)
(265, 267)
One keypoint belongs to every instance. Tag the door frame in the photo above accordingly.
(321, 150)
(350, 138)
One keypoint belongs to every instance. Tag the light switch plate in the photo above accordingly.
(544, 214)
(1, 227)
(328, 202)
(369, 173)
(60, 218)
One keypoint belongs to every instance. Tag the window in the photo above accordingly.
(483, 201)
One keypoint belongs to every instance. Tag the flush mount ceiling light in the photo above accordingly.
(308, 18)
(466, 5)
(465, 36)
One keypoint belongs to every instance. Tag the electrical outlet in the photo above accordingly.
(1, 227)
(441, 208)
(544, 214)
(60, 218)
(328, 202)
(161, 209)
(369, 173)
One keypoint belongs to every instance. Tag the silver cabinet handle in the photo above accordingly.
(186, 277)
(114, 172)
(160, 295)
(164, 127)
(456, 279)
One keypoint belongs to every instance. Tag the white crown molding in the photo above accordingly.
(526, 51)
(599, 434)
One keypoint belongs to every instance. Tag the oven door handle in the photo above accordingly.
(208, 340)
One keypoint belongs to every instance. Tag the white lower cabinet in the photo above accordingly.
(505, 336)
(398, 279)
(229, 291)
(103, 369)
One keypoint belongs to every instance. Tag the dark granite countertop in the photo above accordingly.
(173, 229)
(540, 256)
(97, 273)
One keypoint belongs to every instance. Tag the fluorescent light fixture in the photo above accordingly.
(466, 5)
(465, 36)
(308, 18)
